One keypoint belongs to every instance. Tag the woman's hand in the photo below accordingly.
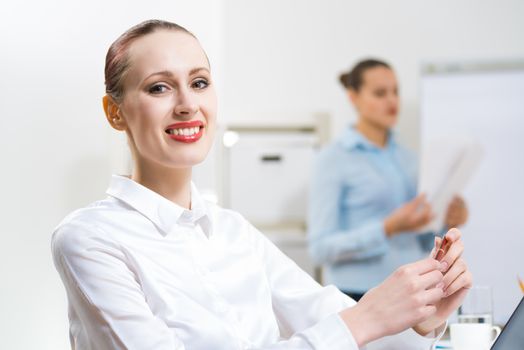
(409, 217)
(457, 280)
(420, 295)
(406, 298)
(457, 213)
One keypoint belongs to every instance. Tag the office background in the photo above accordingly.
(268, 58)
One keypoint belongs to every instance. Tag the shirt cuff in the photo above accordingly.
(330, 334)
(439, 332)
(374, 236)
(427, 341)
(408, 340)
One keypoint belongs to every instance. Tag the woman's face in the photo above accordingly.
(169, 104)
(377, 99)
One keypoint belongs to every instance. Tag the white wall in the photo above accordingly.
(57, 151)
(268, 56)
(287, 55)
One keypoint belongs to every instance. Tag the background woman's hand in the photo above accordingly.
(406, 298)
(409, 217)
(457, 213)
(457, 280)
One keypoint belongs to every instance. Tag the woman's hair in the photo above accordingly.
(355, 77)
(117, 59)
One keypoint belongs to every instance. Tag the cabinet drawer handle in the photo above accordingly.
(271, 158)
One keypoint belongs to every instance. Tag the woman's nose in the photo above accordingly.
(393, 99)
(186, 104)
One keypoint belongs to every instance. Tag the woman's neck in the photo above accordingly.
(173, 184)
(374, 133)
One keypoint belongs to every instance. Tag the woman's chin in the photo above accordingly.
(186, 162)
(389, 122)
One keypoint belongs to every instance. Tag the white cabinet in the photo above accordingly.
(268, 176)
(265, 175)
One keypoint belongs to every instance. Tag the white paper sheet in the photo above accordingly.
(447, 165)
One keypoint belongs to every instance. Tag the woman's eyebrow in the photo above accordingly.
(163, 73)
(170, 74)
(198, 69)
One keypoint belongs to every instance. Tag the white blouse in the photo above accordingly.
(143, 273)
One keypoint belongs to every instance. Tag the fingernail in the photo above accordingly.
(440, 285)
(443, 266)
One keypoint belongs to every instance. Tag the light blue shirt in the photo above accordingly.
(355, 186)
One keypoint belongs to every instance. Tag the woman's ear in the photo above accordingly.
(112, 112)
(352, 95)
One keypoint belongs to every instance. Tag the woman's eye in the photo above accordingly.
(200, 84)
(158, 89)
(380, 93)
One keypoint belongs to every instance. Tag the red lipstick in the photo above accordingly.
(392, 111)
(186, 132)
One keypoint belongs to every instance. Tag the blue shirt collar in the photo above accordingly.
(352, 139)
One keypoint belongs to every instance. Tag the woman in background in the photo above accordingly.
(364, 210)
(154, 266)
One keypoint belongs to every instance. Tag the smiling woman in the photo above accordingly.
(153, 85)
(153, 266)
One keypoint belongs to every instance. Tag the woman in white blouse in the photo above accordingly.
(153, 266)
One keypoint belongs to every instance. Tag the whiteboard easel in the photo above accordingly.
(485, 101)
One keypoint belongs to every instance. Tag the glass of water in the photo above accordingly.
(477, 306)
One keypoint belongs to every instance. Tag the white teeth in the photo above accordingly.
(185, 131)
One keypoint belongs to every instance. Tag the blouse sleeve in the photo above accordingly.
(328, 243)
(307, 312)
(105, 293)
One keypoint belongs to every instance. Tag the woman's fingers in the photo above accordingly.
(458, 268)
(432, 296)
(455, 217)
(456, 204)
(454, 252)
(460, 201)
(419, 200)
(453, 235)
(436, 246)
(465, 280)
(456, 275)
(422, 216)
(450, 249)
(431, 280)
(457, 213)
(419, 267)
